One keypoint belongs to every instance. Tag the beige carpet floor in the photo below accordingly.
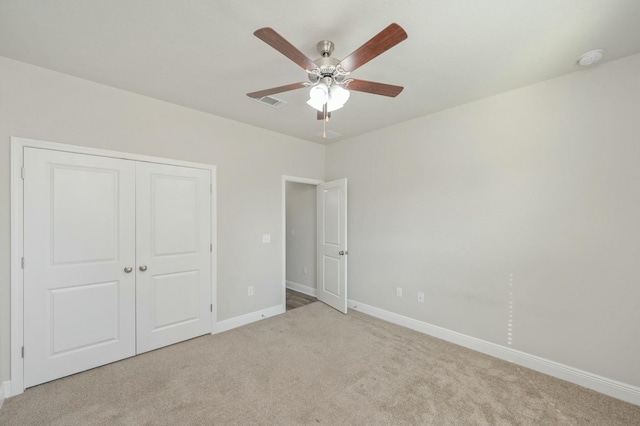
(314, 365)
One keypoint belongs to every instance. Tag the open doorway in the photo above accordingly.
(300, 243)
(314, 235)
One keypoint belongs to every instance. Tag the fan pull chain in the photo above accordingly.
(325, 121)
(324, 126)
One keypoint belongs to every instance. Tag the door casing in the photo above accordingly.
(17, 242)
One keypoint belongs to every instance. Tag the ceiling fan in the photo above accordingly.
(329, 77)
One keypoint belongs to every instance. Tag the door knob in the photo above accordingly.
(343, 252)
(143, 268)
(128, 269)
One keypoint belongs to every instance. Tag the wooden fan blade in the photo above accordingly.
(379, 44)
(321, 115)
(280, 89)
(375, 88)
(275, 40)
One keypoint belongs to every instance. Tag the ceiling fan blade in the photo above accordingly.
(375, 88)
(379, 44)
(262, 93)
(321, 115)
(275, 40)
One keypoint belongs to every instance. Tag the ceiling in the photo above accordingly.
(203, 55)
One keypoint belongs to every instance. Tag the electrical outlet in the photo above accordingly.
(420, 297)
(305, 270)
(399, 291)
(266, 238)
(250, 291)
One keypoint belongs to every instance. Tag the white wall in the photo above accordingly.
(301, 234)
(526, 203)
(40, 104)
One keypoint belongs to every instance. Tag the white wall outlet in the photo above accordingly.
(399, 291)
(266, 238)
(250, 291)
(305, 270)
(420, 297)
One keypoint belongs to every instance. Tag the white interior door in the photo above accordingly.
(173, 254)
(79, 236)
(332, 244)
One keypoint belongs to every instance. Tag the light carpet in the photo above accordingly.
(314, 365)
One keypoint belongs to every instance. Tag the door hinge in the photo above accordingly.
(22, 172)
(23, 352)
(211, 307)
(211, 247)
(22, 262)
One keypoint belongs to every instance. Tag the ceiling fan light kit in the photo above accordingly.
(327, 76)
(333, 97)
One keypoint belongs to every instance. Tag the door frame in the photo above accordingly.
(17, 241)
(285, 179)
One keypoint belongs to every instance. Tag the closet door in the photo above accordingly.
(173, 255)
(79, 243)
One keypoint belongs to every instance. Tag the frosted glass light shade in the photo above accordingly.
(335, 97)
(339, 95)
(318, 96)
(316, 104)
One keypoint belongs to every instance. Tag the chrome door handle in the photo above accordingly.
(128, 269)
(143, 268)
(343, 252)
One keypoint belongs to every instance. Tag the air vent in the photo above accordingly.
(271, 101)
(329, 134)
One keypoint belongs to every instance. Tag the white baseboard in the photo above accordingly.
(245, 319)
(309, 291)
(613, 388)
(5, 391)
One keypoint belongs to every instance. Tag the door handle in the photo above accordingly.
(343, 252)
(128, 269)
(143, 268)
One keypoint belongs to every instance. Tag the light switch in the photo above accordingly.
(266, 238)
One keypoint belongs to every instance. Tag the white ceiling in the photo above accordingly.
(203, 55)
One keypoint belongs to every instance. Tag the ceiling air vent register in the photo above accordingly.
(271, 101)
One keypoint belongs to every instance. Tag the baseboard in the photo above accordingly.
(245, 319)
(309, 291)
(613, 388)
(5, 391)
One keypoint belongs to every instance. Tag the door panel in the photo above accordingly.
(83, 316)
(332, 244)
(173, 243)
(88, 231)
(79, 235)
(175, 299)
(331, 271)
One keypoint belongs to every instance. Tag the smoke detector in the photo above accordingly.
(590, 57)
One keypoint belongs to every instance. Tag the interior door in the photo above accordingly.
(173, 254)
(332, 244)
(79, 240)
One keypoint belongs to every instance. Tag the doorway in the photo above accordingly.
(330, 240)
(300, 243)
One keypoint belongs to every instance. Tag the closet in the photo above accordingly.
(117, 259)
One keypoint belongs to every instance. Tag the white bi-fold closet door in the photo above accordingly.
(117, 259)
